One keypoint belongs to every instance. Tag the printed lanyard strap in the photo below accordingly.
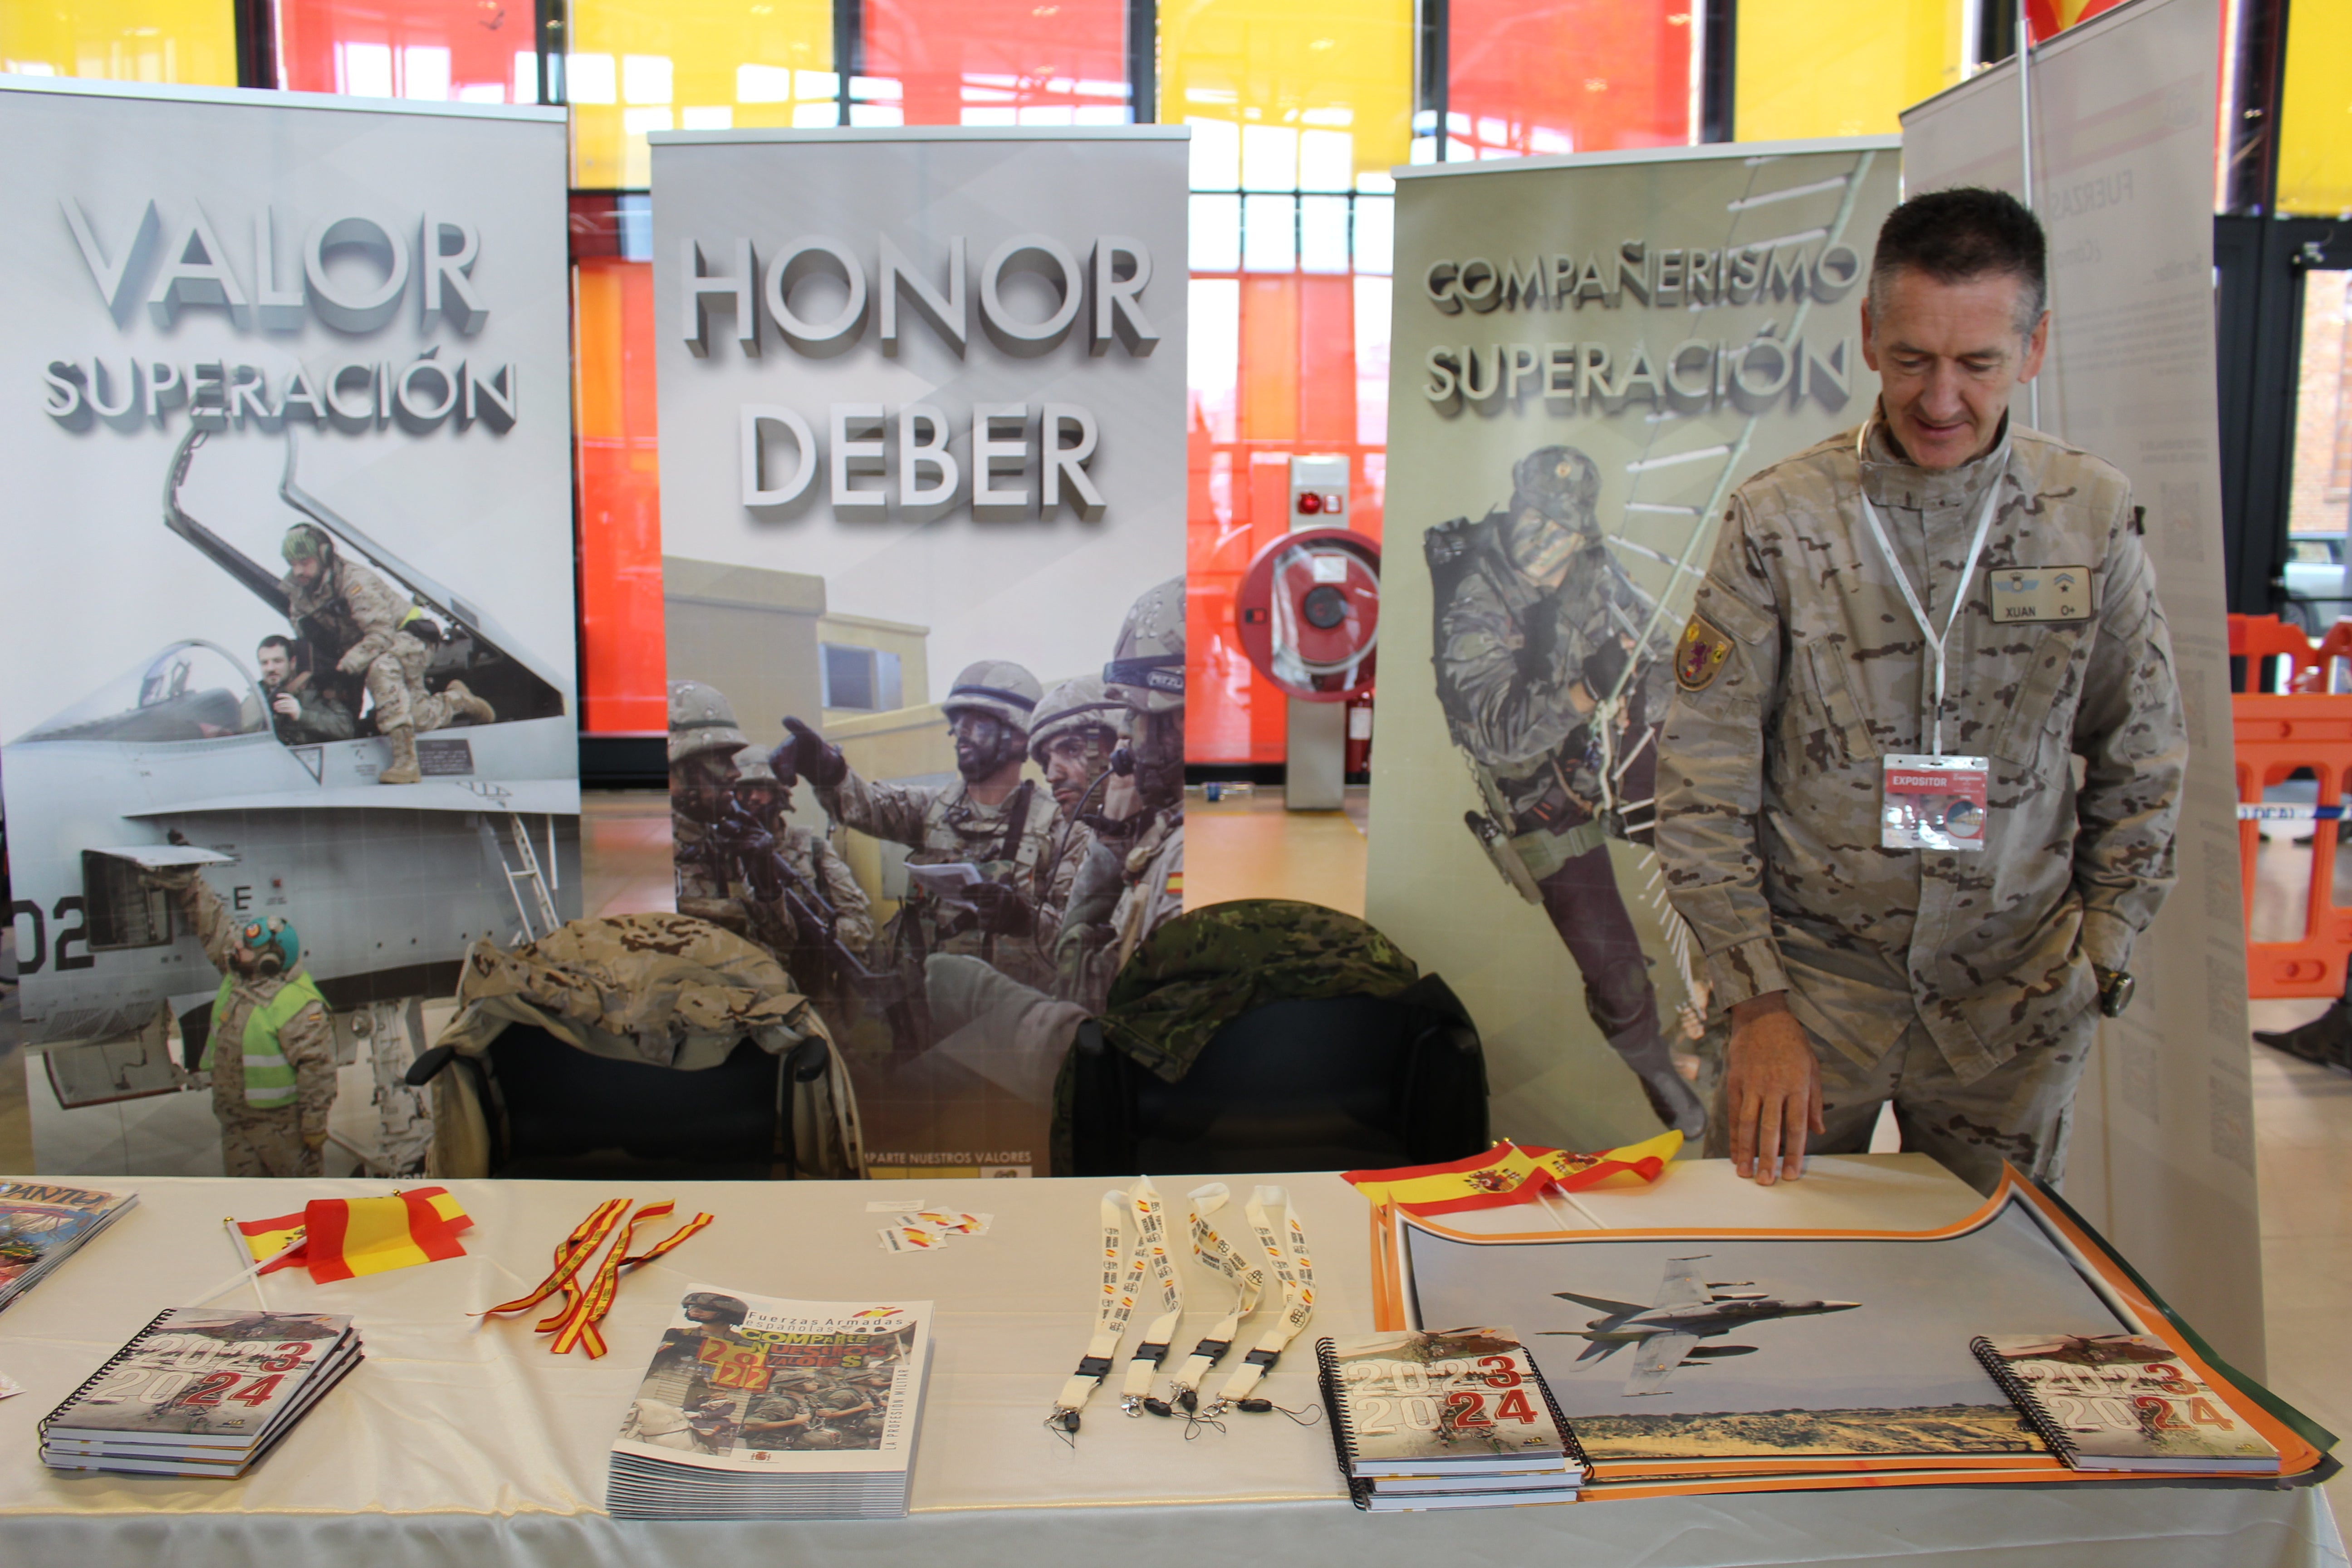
(1151, 1236)
(1248, 1278)
(1284, 1243)
(1936, 640)
(1122, 1271)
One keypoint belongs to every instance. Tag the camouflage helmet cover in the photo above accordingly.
(1553, 492)
(752, 767)
(998, 687)
(1070, 709)
(701, 719)
(1146, 672)
(304, 542)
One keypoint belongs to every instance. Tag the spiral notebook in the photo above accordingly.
(2125, 1403)
(199, 1392)
(1460, 1418)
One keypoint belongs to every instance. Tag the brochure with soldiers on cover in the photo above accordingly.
(775, 1408)
(41, 1225)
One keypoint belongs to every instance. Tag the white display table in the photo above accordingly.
(464, 1443)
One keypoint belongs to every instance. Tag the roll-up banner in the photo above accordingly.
(2123, 182)
(923, 485)
(289, 597)
(1590, 353)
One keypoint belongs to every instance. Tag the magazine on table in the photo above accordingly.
(765, 1385)
(42, 1223)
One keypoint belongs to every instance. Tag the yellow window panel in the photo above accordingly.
(1841, 67)
(2315, 145)
(637, 65)
(190, 42)
(1310, 72)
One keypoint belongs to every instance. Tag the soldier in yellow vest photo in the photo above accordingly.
(270, 1049)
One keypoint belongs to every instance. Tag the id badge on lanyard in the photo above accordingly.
(1933, 800)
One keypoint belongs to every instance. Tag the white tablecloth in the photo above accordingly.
(462, 1442)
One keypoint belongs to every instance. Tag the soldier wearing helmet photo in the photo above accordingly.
(269, 1046)
(1133, 878)
(821, 873)
(708, 860)
(361, 624)
(1551, 670)
(1072, 738)
(989, 819)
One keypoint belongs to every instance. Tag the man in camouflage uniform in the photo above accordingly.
(703, 744)
(270, 1046)
(353, 616)
(1548, 689)
(823, 873)
(990, 818)
(778, 1418)
(1072, 736)
(1963, 986)
(301, 710)
(1133, 879)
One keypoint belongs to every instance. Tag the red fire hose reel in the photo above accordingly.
(1308, 612)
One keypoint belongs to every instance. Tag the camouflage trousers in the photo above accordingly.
(396, 682)
(261, 1144)
(2021, 1113)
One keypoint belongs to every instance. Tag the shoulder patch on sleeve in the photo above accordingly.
(1699, 657)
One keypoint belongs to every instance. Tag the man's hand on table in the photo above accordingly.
(1772, 1090)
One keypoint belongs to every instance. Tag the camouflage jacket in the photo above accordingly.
(706, 893)
(811, 858)
(1801, 668)
(308, 1039)
(942, 825)
(352, 613)
(658, 988)
(1117, 899)
(1058, 874)
(1509, 656)
(324, 716)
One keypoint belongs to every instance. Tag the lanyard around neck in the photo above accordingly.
(1936, 640)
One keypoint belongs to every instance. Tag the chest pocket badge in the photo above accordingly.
(2040, 594)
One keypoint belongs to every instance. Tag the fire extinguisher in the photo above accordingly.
(1360, 735)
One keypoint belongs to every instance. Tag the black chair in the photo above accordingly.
(1331, 1083)
(558, 1113)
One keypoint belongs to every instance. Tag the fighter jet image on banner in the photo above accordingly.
(1688, 1308)
(182, 760)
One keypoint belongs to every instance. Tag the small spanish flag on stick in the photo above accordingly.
(342, 1239)
(1510, 1174)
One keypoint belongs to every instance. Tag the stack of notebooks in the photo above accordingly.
(756, 1407)
(200, 1393)
(41, 1226)
(1457, 1419)
(2123, 1402)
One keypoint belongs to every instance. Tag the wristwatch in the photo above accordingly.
(2116, 988)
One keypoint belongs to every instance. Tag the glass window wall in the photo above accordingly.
(189, 42)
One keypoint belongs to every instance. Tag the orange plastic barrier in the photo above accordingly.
(2277, 733)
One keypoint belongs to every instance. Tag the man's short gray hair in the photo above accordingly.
(1961, 234)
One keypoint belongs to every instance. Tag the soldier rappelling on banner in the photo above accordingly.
(1552, 672)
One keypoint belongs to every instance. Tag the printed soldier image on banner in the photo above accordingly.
(1028, 877)
(289, 622)
(1596, 349)
(922, 492)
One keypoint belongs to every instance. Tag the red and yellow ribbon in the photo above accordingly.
(574, 1323)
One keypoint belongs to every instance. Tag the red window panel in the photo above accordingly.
(1534, 77)
(479, 51)
(622, 657)
(997, 62)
